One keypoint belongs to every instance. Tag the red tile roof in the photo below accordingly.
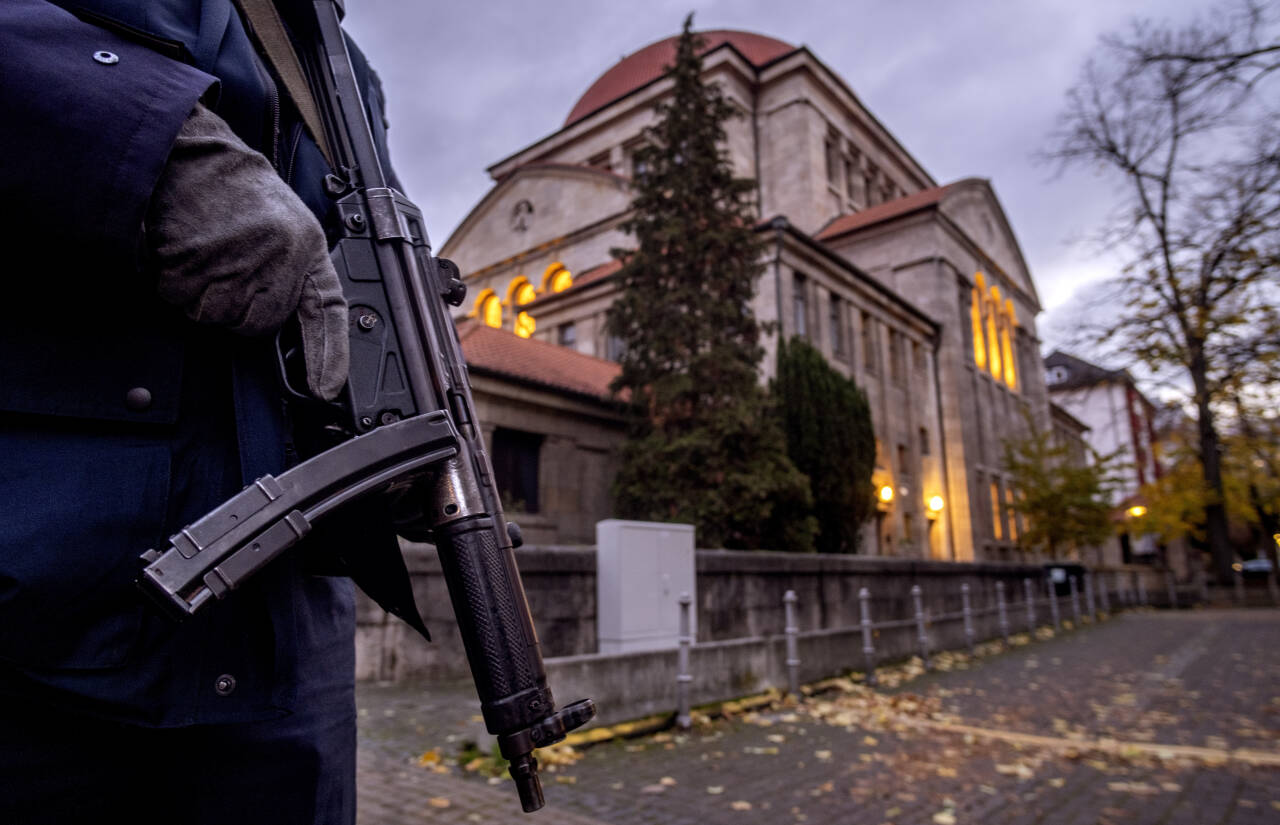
(555, 367)
(882, 212)
(653, 60)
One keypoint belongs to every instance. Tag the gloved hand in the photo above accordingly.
(234, 246)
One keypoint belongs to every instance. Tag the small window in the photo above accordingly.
(853, 177)
(567, 334)
(868, 342)
(924, 441)
(904, 460)
(836, 322)
(997, 512)
(832, 147)
(614, 348)
(515, 468)
(800, 302)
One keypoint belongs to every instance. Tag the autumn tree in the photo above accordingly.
(827, 421)
(1184, 122)
(1064, 498)
(703, 447)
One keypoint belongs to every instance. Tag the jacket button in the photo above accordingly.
(137, 399)
(225, 684)
(106, 58)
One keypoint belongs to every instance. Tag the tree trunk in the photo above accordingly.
(1215, 514)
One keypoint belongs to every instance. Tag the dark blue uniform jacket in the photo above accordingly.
(120, 421)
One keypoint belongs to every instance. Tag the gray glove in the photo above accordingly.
(234, 246)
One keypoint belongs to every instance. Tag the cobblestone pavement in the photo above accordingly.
(1080, 729)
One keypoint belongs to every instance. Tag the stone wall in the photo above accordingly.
(739, 599)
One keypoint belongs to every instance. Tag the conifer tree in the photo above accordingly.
(827, 422)
(702, 447)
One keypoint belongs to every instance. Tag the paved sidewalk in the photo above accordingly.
(1031, 722)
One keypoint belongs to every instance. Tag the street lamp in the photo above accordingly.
(935, 506)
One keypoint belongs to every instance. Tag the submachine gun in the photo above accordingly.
(410, 430)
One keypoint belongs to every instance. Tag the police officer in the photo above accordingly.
(160, 216)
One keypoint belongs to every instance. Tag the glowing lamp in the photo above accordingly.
(886, 494)
(1137, 511)
(935, 506)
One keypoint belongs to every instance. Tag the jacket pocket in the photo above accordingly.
(76, 510)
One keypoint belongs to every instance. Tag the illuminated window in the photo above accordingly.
(1013, 514)
(556, 278)
(997, 513)
(524, 325)
(993, 336)
(521, 292)
(1006, 344)
(975, 316)
(489, 309)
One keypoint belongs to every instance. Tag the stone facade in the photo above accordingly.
(917, 291)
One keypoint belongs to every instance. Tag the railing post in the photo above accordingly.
(921, 636)
(683, 718)
(1142, 589)
(1238, 581)
(1090, 606)
(1075, 600)
(1002, 611)
(966, 613)
(868, 636)
(1029, 597)
(1273, 589)
(1172, 585)
(1053, 603)
(1103, 594)
(793, 653)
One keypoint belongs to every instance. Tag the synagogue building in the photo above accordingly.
(914, 288)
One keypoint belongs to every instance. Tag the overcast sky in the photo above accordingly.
(969, 88)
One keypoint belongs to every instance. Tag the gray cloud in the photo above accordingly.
(971, 89)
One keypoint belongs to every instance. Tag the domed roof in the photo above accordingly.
(646, 65)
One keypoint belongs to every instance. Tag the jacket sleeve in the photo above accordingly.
(87, 119)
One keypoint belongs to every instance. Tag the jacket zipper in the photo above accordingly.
(273, 107)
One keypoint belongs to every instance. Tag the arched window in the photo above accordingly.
(556, 278)
(520, 294)
(975, 316)
(489, 309)
(1007, 332)
(993, 336)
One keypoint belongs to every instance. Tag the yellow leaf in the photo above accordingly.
(566, 780)
(740, 805)
(667, 780)
(1057, 782)
(715, 789)
(949, 773)
(944, 818)
(429, 758)
(870, 741)
(823, 755)
(439, 802)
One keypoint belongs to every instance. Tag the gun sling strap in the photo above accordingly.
(267, 29)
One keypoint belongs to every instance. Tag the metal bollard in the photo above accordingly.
(966, 612)
(1029, 597)
(1238, 581)
(683, 718)
(868, 643)
(1142, 590)
(1104, 596)
(1053, 604)
(1172, 584)
(1002, 611)
(1090, 606)
(793, 654)
(921, 636)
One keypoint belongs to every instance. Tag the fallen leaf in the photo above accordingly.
(1057, 782)
(430, 757)
(944, 818)
(439, 802)
(566, 780)
(823, 755)
(715, 790)
(740, 805)
(776, 737)
(667, 780)
(949, 773)
(870, 741)
(653, 789)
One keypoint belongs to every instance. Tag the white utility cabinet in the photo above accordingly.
(642, 567)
